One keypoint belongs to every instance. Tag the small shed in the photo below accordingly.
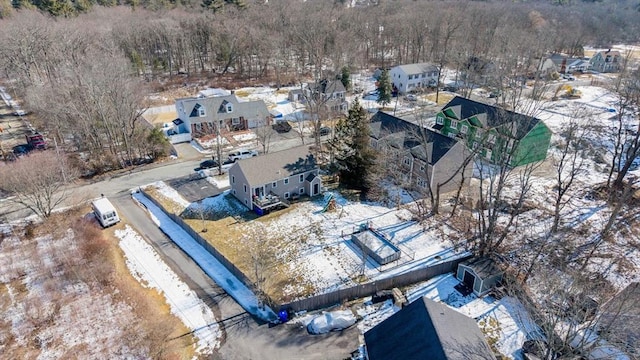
(296, 95)
(480, 274)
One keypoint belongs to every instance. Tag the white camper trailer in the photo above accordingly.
(105, 212)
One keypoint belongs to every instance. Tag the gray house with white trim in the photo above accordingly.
(268, 182)
(204, 115)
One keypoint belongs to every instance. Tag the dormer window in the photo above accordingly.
(201, 112)
(229, 108)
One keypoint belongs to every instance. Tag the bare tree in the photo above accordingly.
(264, 135)
(260, 251)
(38, 182)
(569, 164)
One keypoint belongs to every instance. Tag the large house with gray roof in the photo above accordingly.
(424, 158)
(204, 115)
(496, 134)
(426, 329)
(406, 78)
(268, 182)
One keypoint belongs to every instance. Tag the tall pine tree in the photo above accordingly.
(384, 88)
(354, 156)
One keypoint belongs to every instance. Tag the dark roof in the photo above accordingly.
(327, 87)
(383, 125)
(177, 122)
(426, 329)
(277, 165)
(620, 315)
(496, 117)
(483, 267)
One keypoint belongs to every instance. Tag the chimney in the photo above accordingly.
(233, 92)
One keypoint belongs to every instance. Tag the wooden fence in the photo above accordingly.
(196, 236)
(368, 289)
(328, 299)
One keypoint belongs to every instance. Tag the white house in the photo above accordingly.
(411, 76)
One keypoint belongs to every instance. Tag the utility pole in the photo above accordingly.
(219, 149)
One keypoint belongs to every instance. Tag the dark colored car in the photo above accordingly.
(281, 127)
(21, 150)
(324, 131)
(208, 164)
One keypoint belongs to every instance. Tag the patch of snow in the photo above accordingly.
(330, 321)
(148, 268)
(208, 263)
(169, 192)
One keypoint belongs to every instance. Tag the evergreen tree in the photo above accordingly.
(345, 77)
(354, 156)
(384, 88)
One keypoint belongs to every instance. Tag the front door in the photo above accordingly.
(316, 189)
(468, 279)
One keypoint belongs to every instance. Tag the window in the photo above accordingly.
(233, 179)
(245, 188)
(198, 127)
(286, 181)
(454, 124)
(274, 184)
(286, 195)
(301, 177)
(407, 161)
(475, 145)
(439, 120)
(488, 154)
(201, 112)
(421, 182)
(492, 138)
(451, 134)
(424, 75)
(229, 108)
(234, 191)
(464, 129)
(421, 167)
(301, 191)
(235, 121)
(479, 133)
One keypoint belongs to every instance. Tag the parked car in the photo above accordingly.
(324, 131)
(242, 154)
(411, 97)
(208, 164)
(281, 127)
(21, 150)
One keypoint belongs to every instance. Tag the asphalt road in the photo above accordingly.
(244, 336)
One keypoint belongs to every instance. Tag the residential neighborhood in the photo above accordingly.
(303, 180)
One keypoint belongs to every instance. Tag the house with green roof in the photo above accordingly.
(498, 135)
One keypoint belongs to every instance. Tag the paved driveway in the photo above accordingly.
(194, 188)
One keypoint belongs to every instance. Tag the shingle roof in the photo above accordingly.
(412, 69)
(483, 267)
(213, 105)
(275, 166)
(327, 86)
(496, 117)
(383, 124)
(620, 315)
(426, 329)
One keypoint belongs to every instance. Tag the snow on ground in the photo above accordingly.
(207, 262)
(148, 268)
(47, 311)
(220, 182)
(169, 192)
(504, 321)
